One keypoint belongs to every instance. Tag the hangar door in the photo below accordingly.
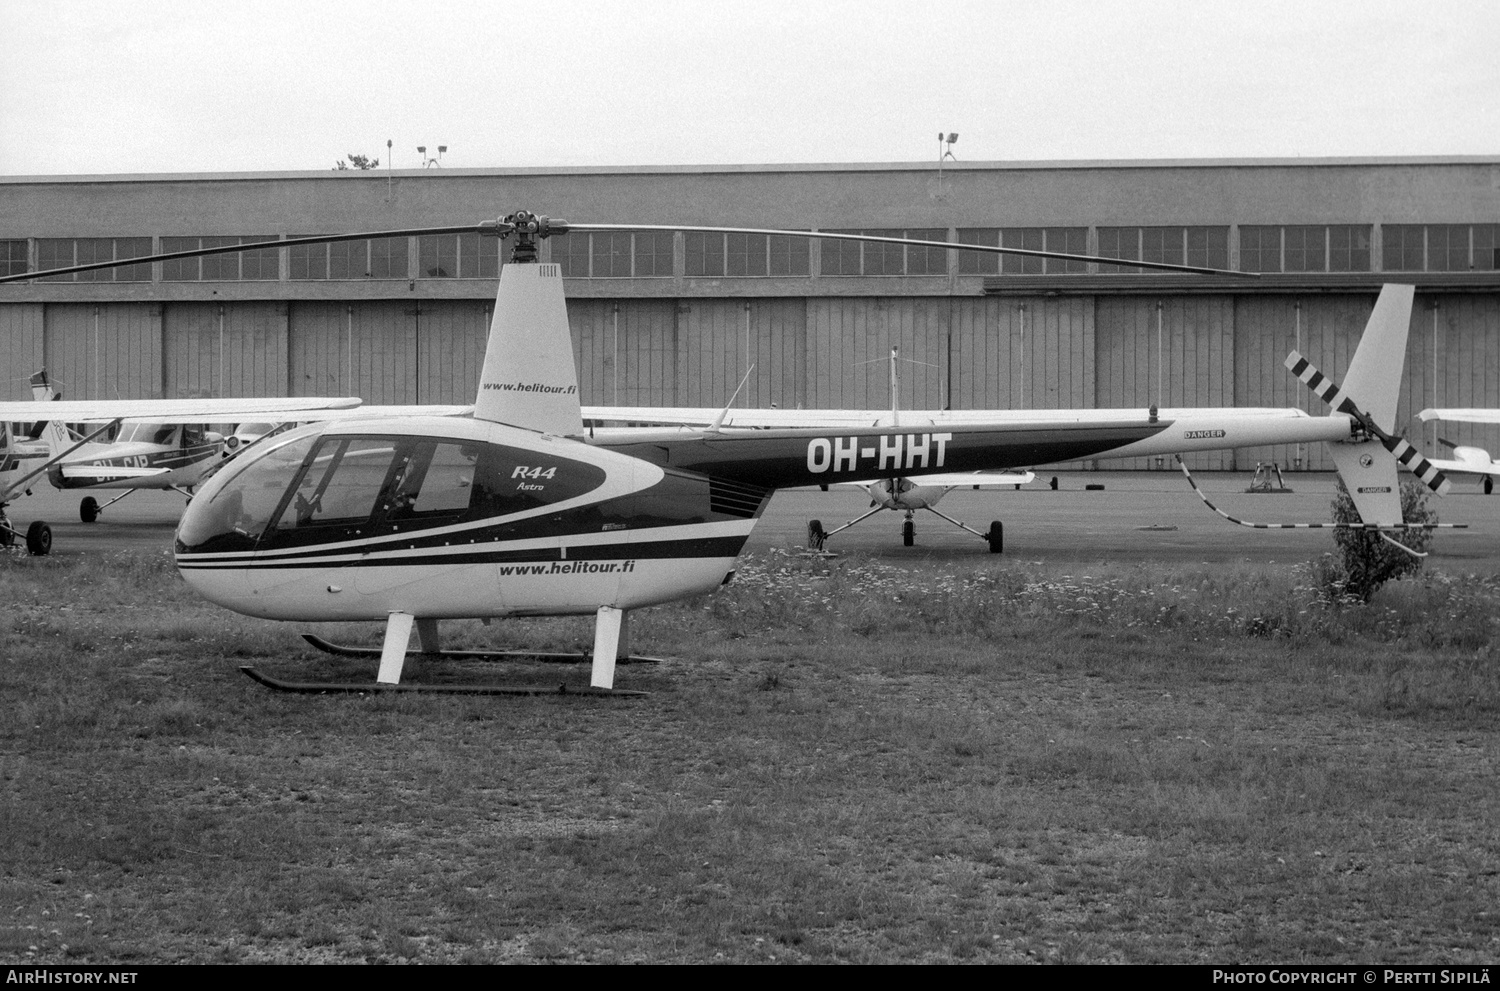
(388, 352)
(1166, 353)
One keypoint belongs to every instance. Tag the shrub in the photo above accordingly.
(1369, 559)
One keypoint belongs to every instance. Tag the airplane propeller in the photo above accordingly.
(529, 228)
(1330, 392)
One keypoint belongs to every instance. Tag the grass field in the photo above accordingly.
(842, 760)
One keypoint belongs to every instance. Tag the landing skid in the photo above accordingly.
(360, 688)
(345, 650)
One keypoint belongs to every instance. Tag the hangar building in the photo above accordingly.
(675, 318)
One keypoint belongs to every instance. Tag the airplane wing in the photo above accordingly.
(968, 479)
(345, 414)
(1460, 415)
(174, 410)
(1474, 467)
(771, 419)
(109, 471)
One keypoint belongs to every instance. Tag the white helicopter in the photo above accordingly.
(520, 510)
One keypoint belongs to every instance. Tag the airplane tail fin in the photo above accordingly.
(53, 432)
(1367, 462)
(529, 378)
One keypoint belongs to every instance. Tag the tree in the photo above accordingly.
(359, 162)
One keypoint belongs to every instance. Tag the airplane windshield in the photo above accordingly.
(147, 433)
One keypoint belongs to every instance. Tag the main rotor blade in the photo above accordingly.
(952, 245)
(225, 249)
(554, 227)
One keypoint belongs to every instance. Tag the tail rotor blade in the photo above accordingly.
(1330, 392)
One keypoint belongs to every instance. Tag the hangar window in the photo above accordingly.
(13, 257)
(1027, 239)
(1486, 247)
(653, 254)
(1208, 247)
(1119, 242)
(349, 260)
(1349, 248)
(789, 255)
(609, 255)
(571, 254)
(1260, 248)
(307, 261)
(1069, 240)
(388, 258)
(839, 257)
(260, 265)
(979, 262)
(1403, 248)
(743, 255)
(1205, 246)
(922, 260)
(458, 256)
(1305, 249)
(65, 252)
(624, 254)
(882, 258)
(1448, 248)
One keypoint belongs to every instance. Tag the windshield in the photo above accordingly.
(147, 433)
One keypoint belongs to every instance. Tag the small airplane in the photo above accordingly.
(142, 454)
(519, 510)
(160, 444)
(1466, 460)
(900, 494)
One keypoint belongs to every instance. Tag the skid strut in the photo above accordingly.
(611, 636)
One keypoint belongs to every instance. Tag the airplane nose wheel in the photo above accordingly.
(908, 531)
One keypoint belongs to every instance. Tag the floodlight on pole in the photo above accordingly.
(943, 153)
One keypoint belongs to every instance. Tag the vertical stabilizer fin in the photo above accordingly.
(1374, 377)
(529, 378)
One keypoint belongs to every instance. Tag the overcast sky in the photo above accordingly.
(168, 86)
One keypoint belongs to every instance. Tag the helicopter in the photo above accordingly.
(521, 510)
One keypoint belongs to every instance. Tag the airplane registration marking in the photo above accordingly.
(894, 452)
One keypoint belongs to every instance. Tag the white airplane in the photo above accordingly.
(1466, 460)
(520, 510)
(161, 445)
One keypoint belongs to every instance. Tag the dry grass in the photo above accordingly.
(841, 762)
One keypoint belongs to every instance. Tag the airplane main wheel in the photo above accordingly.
(88, 509)
(908, 533)
(7, 535)
(996, 537)
(1489, 485)
(815, 535)
(38, 539)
